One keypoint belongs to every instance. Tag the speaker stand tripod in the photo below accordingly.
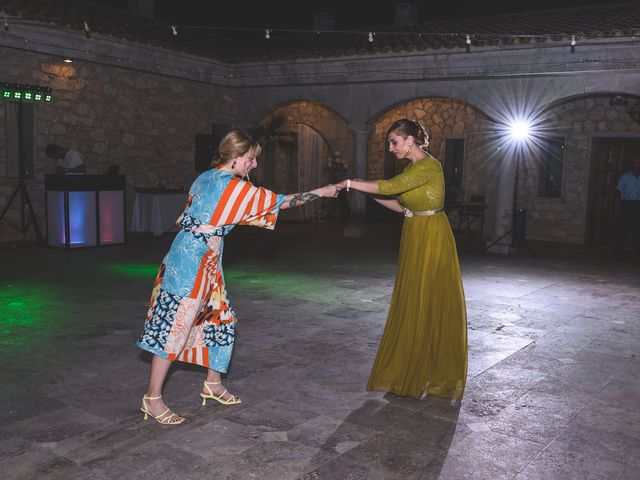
(21, 191)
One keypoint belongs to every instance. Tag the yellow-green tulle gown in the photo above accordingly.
(423, 350)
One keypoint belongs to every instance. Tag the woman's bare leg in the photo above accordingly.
(159, 370)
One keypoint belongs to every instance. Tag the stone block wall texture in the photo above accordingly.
(333, 128)
(579, 122)
(144, 123)
(443, 119)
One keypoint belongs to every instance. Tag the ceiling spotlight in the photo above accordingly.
(67, 60)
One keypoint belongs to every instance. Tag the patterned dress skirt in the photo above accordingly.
(190, 318)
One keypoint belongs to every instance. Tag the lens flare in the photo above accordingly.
(520, 130)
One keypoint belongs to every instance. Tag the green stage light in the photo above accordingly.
(25, 92)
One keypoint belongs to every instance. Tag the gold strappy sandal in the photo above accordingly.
(231, 401)
(165, 418)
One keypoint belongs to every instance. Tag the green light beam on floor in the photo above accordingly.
(28, 313)
(148, 270)
(273, 282)
(276, 283)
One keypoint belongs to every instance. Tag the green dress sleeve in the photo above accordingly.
(413, 177)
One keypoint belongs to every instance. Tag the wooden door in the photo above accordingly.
(611, 157)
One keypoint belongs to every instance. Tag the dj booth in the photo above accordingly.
(85, 210)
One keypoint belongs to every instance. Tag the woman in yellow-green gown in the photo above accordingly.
(423, 350)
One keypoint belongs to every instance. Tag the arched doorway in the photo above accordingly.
(296, 161)
(300, 142)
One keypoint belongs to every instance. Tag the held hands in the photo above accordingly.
(332, 190)
(342, 185)
(329, 191)
(364, 186)
(348, 184)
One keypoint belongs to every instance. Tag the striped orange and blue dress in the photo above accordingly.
(190, 317)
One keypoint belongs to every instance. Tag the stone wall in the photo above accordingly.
(144, 123)
(330, 125)
(578, 121)
(442, 118)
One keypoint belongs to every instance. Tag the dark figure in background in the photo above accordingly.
(629, 212)
(69, 160)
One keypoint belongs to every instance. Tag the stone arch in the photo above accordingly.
(444, 118)
(325, 120)
(483, 109)
(297, 133)
(558, 102)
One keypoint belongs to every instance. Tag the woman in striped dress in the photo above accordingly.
(190, 318)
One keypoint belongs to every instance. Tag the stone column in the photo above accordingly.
(357, 200)
(504, 202)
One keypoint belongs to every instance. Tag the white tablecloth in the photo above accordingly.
(156, 212)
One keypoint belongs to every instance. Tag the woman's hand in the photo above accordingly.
(365, 186)
(341, 185)
(328, 191)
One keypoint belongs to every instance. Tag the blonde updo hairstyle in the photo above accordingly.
(405, 127)
(235, 144)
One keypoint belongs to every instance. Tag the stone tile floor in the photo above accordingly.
(553, 390)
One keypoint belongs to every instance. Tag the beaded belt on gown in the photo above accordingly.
(424, 213)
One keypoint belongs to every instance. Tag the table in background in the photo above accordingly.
(468, 213)
(157, 210)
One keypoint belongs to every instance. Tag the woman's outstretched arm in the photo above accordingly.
(366, 186)
(371, 186)
(298, 199)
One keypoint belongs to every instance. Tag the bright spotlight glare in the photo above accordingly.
(520, 130)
